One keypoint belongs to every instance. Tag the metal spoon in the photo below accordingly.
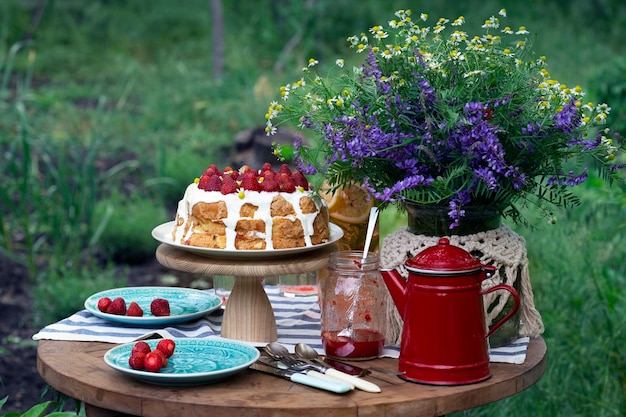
(307, 352)
(278, 349)
(280, 353)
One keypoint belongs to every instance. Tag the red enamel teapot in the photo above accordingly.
(444, 336)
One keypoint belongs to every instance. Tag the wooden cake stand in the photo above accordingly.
(248, 316)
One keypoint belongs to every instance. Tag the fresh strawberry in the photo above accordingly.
(269, 174)
(270, 184)
(141, 347)
(161, 355)
(160, 307)
(166, 346)
(137, 360)
(300, 180)
(103, 304)
(229, 186)
(214, 183)
(204, 179)
(267, 167)
(287, 186)
(284, 169)
(153, 362)
(117, 306)
(212, 170)
(250, 183)
(134, 310)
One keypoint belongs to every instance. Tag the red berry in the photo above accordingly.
(270, 184)
(250, 183)
(268, 174)
(214, 183)
(161, 355)
(212, 170)
(137, 360)
(134, 310)
(267, 167)
(300, 180)
(153, 362)
(166, 346)
(284, 169)
(287, 187)
(204, 179)
(103, 304)
(229, 186)
(140, 347)
(160, 307)
(117, 306)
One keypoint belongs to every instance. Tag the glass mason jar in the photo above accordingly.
(353, 307)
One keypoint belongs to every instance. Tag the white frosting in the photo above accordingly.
(262, 200)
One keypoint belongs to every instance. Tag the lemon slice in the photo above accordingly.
(350, 204)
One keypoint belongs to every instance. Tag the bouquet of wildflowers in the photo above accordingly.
(434, 115)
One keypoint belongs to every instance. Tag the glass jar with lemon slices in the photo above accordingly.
(349, 208)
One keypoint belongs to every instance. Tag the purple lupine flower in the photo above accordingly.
(393, 194)
(302, 165)
(456, 203)
(586, 145)
(487, 176)
(532, 129)
(568, 119)
(503, 101)
(570, 179)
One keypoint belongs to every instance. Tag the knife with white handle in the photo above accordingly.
(358, 383)
(311, 381)
(317, 374)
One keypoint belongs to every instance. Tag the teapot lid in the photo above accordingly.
(443, 258)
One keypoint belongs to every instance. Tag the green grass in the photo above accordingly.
(113, 107)
(578, 282)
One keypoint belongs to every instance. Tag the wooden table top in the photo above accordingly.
(78, 370)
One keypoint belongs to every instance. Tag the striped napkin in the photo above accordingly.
(297, 320)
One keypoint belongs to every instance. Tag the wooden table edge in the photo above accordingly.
(106, 390)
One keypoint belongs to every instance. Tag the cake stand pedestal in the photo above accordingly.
(248, 315)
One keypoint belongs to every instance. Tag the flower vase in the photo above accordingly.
(434, 220)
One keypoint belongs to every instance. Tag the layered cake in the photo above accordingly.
(247, 209)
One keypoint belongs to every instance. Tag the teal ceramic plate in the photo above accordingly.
(185, 304)
(163, 234)
(195, 361)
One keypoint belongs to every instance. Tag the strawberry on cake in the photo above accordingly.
(246, 209)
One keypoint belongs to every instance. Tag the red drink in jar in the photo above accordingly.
(362, 344)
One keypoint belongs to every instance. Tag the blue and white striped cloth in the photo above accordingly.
(297, 320)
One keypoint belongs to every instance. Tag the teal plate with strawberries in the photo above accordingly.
(194, 362)
(186, 304)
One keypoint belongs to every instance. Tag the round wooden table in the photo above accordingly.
(78, 370)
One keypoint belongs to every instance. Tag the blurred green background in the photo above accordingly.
(108, 108)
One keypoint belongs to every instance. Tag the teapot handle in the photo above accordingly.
(515, 295)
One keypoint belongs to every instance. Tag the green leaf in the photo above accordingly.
(38, 410)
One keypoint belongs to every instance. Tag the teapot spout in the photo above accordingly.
(396, 286)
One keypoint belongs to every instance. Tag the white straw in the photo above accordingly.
(370, 231)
